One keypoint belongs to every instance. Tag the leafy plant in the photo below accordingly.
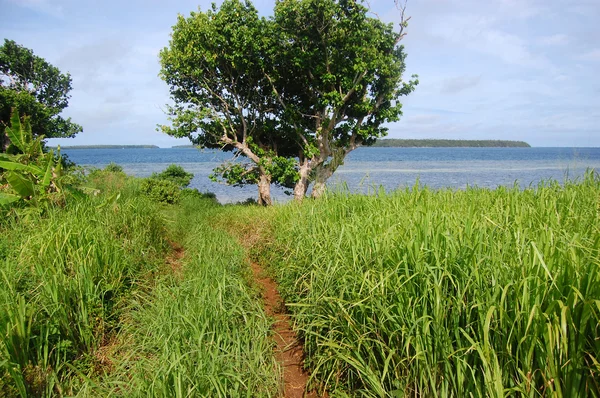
(112, 167)
(29, 175)
(176, 174)
(162, 191)
(194, 193)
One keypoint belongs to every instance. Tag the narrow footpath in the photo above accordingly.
(288, 350)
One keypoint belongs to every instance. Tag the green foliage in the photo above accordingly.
(30, 85)
(216, 66)
(66, 279)
(28, 175)
(189, 193)
(113, 168)
(161, 191)
(340, 76)
(165, 187)
(315, 81)
(176, 174)
(201, 331)
(447, 293)
(235, 174)
(90, 307)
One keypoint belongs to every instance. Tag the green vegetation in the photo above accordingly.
(292, 94)
(447, 293)
(175, 174)
(418, 292)
(114, 168)
(29, 85)
(170, 185)
(162, 191)
(28, 176)
(110, 147)
(98, 299)
(67, 278)
(438, 143)
(201, 330)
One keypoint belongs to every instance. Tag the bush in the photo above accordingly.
(194, 193)
(163, 191)
(175, 174)
(113, 168)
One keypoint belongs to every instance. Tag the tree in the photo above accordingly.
(339, 81)
(293, 94)
(215, 67)
(31, 86)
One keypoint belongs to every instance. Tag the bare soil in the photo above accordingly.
(288, 351)
(174, 258)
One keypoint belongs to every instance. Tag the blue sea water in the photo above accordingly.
(366, 169)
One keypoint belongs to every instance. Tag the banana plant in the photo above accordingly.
(29, 174)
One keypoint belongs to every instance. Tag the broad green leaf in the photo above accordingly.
(48, 174)
(20, 184)
(18, 166)
(15, 132)
(8, 198)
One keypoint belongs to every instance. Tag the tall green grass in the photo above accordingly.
(447, 293)
(64, 277)
(94, 303)
(201, 331)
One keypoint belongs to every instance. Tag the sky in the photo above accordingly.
(488, 69)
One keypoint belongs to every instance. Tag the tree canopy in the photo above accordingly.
(214, 67)
(31, 86)
(293, 94)
(341, 81)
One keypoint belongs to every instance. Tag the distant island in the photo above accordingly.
(107, 146)
(436, 143)
(383, 143)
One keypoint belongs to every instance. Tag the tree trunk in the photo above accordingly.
(302, 185)
(322, 175)
(264, 190)
(4, 141)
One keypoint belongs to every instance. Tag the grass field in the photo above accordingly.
(413, 293)
(447, 293)
(93, 302)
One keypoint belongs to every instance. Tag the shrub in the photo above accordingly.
(113, 168)
(194, 193)
(175, 174)
(163, 191)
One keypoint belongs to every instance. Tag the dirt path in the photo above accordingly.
(288, 351)
(174, 258)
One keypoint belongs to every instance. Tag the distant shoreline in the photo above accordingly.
(434, 143)
(438, 143)
(106, 146)
(383, 143)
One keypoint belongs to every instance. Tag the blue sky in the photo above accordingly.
(493, 69)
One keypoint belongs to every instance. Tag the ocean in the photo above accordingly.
(370, 169)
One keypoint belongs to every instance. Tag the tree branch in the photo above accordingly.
(403, 19)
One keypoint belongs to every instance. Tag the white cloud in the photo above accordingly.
(558, 39)
(593, 55)
(479, 33)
